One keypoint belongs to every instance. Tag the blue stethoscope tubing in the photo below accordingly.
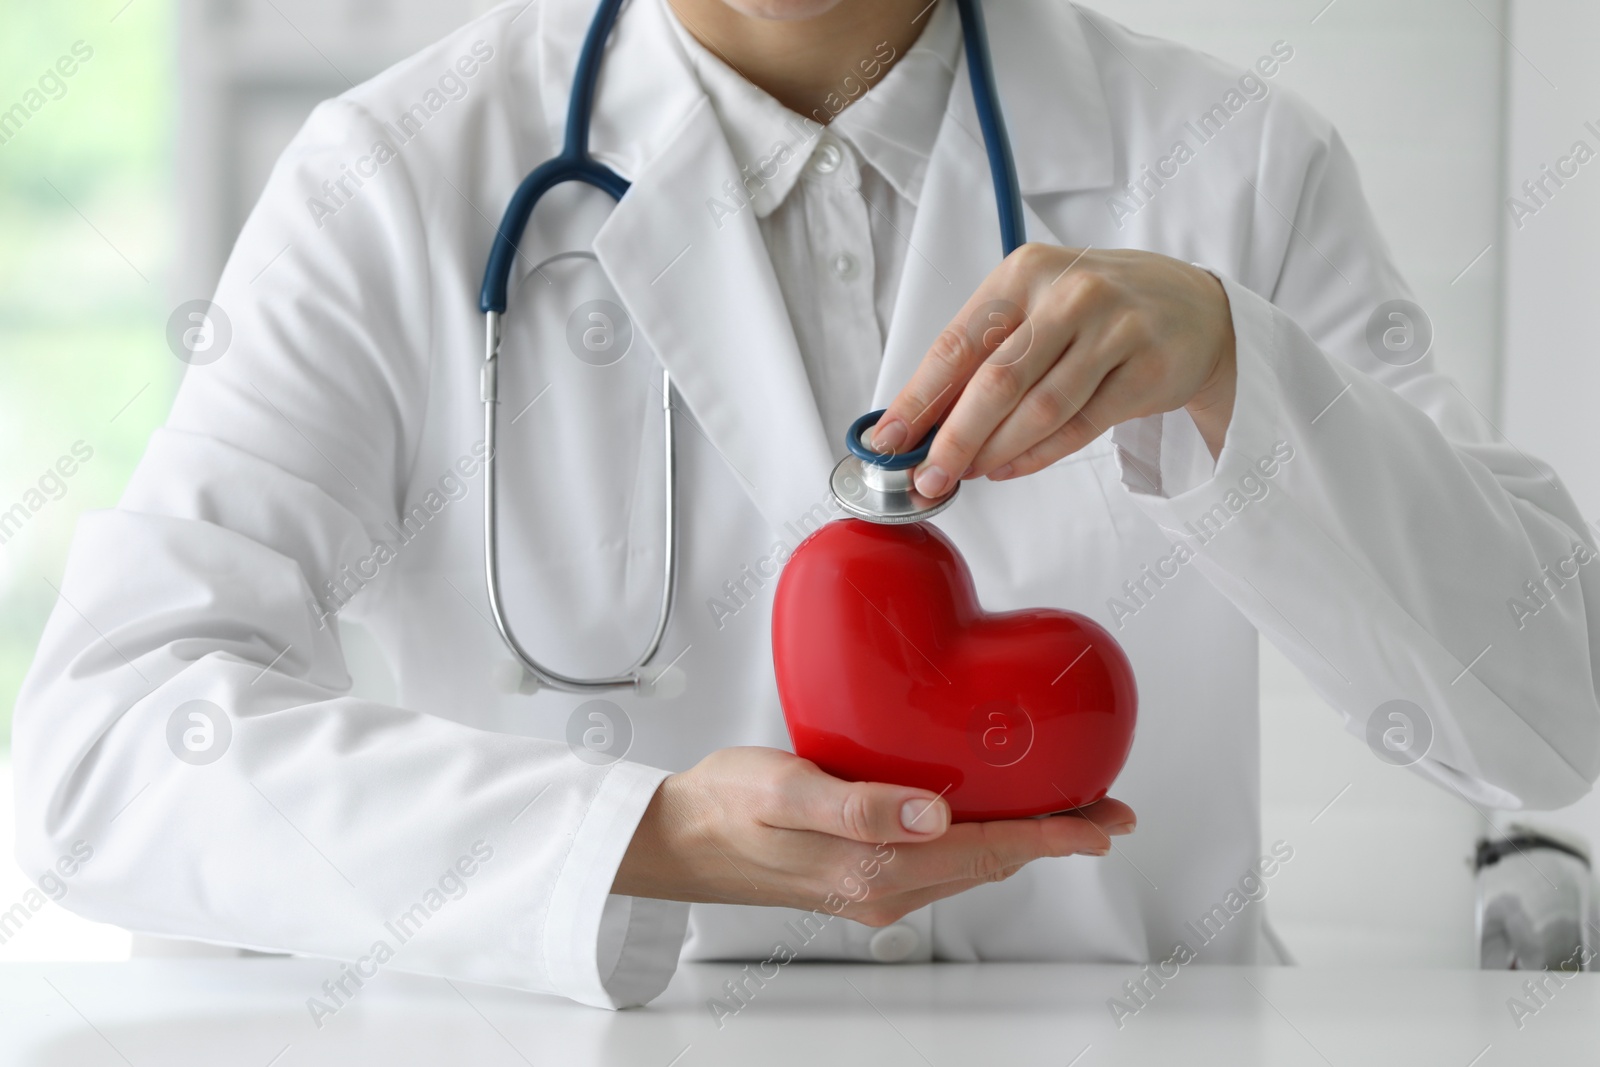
(574, 164)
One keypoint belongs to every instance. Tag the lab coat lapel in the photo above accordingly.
(698, 284)
(954, 244)
(701, 289)
(1060, 128)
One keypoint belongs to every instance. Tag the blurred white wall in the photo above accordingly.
(252, 70)
(1552, 375)
(1419, 91)
(1553, 263)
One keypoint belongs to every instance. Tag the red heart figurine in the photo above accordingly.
(890, 671)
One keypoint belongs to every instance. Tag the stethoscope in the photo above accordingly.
(866, 484)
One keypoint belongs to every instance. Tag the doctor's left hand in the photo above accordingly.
(762, 826)
(1057, 346)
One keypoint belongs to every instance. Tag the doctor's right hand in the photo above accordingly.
(762, 826)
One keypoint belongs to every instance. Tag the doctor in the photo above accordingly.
(1189, 455)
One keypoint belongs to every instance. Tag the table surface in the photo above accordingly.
(255, 1012)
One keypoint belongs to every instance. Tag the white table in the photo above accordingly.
(253, 1013)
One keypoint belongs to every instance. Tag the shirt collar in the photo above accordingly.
(892, 126)
(1050, 60)
(895, 124)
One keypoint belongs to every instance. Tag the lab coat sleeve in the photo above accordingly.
(328, 825)
(1368, 518)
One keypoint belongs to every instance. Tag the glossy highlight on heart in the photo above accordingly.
(889, 670)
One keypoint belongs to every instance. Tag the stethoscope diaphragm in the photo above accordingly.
(877, 486)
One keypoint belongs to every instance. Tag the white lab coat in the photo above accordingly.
(1380, 558)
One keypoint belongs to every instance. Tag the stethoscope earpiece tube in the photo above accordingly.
(572, 165)
(866, 484)
(986, 97)
(503, 252)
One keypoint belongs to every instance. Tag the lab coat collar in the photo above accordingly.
(1050, 95)
(700, 285)
(702, 290)
(697, 282)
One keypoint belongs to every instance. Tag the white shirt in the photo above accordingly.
(836, 202)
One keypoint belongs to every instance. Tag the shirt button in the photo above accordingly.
(828, 158)
(894, 943)
(846, 267)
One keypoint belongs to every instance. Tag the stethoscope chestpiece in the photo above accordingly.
(877, 486)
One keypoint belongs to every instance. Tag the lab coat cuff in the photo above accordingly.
(1165, 455)
(603, 949)
(1166, 464)
(1162, 455)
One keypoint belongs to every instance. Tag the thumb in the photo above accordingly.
(870, 812)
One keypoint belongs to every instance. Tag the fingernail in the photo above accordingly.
(1125, 827)
(1000, 473)
(923, 816)
(932, 481)
(889, 436)
(1096, 852)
